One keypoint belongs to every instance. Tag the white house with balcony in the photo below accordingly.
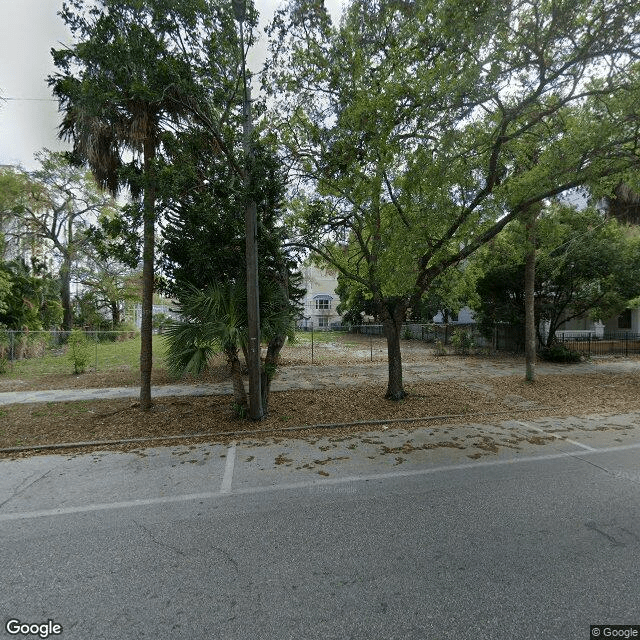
(320, 300)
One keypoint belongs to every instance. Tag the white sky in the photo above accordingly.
(28, 31)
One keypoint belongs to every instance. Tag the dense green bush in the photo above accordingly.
(559, 353)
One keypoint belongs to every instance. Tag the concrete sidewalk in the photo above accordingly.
(331, 376)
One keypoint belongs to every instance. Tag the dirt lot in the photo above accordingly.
(488, 400)
(478, 400)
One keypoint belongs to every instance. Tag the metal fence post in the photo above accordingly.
(95, 338)
(371, 344)
(311, 343)
(12, 342)
(626, 344)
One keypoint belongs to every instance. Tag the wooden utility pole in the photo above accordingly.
(256, 411)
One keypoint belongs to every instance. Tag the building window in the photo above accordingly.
(624, 319)
(323, 303)
(323, 322)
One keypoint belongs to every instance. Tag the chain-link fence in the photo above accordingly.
(360, 343)
(101, 348)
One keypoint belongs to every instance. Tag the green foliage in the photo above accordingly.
(559, 353)
(136, 71)
(30, 297)
(411, 152)
(586, 264)
(5, 290)
(239, 410)
(87, 312)
(4, 343)
(204, 239)
(78, 351)
(216, 321)
(161, 321)
(440, 349)
(53, 211)
(462, 341)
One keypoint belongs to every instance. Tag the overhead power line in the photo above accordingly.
(29, 99)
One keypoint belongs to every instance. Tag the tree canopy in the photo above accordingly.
(138, 70)
(416, 132)
(586, 265)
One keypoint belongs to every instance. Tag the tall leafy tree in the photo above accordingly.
(586, 265)
(204, 251)
(57, 204)
(137, 69)
(418, 131)
(110, 282)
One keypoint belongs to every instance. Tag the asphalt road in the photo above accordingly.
(246, 542)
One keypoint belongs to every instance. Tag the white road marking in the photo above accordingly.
(227, 478)
(558, 436)
(29, 515)
(107, 505)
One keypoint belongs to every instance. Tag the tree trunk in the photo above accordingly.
(270, 365)
(65, 293)
(239, 392)
(146, 327)
(392, 326)
(529, 296)
(115, 313)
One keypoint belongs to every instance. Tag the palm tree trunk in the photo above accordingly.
(270, 365)
(239, 391)
(146, 328)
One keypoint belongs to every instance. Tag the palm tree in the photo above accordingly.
(215, 321)
(117, 88)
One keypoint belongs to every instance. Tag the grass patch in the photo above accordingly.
(107, 355)
(304, 337)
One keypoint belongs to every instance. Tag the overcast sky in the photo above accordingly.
(28, 31)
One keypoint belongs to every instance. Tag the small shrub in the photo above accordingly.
(441, 350)
(161, 321)
(78, 351)
(462, 341)
(239, 410)
(559, 353)
(127, 331)
(407, 334)
(4, 365)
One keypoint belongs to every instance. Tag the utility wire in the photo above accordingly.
(29, 99)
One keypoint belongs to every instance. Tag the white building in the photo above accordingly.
(320, 300)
